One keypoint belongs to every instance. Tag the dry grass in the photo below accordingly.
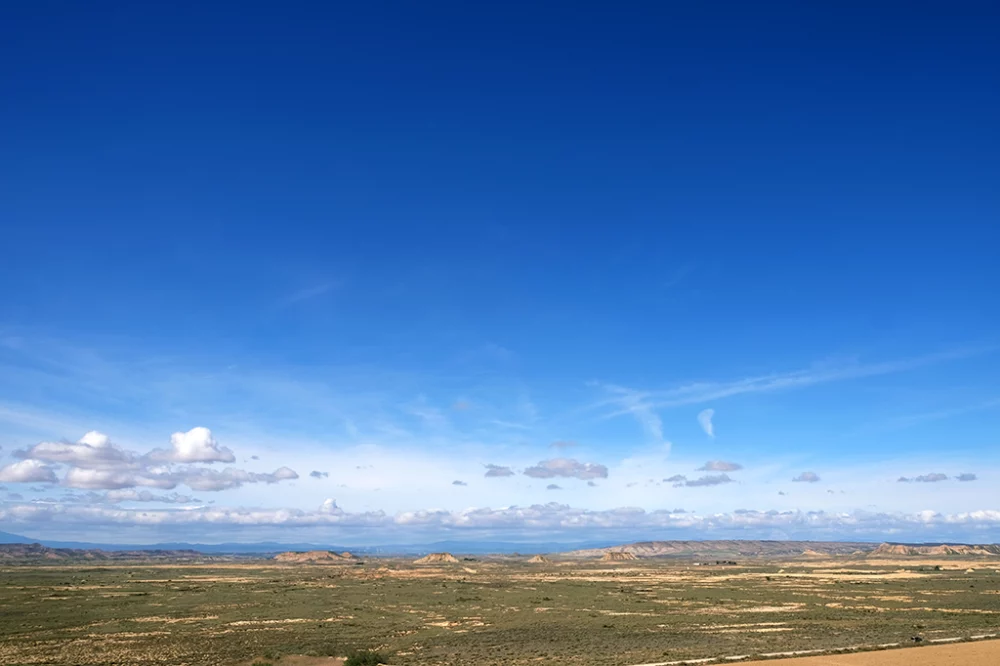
(500, 613)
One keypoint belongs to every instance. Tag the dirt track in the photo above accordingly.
(982, 653)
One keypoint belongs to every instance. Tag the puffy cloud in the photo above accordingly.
(720, 466)
(28, 471)
(807, 477)
(709, 480)
(498, 470)
(329, 507)
(459, 483)
(705, 421)
(194, 446)
(966, 477)
(553, 486)
(93, 450)
(318, 475)
(567, 467)
(676, 478)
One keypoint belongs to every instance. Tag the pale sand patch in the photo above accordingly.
(290, 620)
(758, 630)
(299, 660)
(985, 653)
(172, 620)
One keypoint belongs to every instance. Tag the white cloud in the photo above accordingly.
(549, 517)
(720, 466)
(316, 474)
(807, 477)
(28, 471)
(567, 467)
(194, 446)
(705, 421)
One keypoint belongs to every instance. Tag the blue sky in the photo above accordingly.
(393, 244)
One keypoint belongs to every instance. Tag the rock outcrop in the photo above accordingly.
(313, 557)
(618, 556)
(437, 558)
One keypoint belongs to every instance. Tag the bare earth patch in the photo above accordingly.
(985, 653)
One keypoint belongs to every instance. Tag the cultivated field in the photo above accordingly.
(486, 612)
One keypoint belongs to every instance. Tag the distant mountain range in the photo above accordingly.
(15, 546)
(35, 552)
(729, 549)
(270, 547)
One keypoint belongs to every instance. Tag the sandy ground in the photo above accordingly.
(982, 653)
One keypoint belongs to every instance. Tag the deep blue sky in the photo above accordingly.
(335, 212)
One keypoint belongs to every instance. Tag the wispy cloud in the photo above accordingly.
(934, 477)
(623, 400)
(941, 414)
(307, 293)
(498, 471)
(681, 481)
(720, 466)
(807, 477)
(705, 421)
(639, 406)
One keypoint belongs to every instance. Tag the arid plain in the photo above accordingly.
(495, 611)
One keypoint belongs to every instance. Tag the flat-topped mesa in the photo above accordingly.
(312, 557)
(437, 558)
(618, 556)
(935, 550)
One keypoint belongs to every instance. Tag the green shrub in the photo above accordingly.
(365, 658)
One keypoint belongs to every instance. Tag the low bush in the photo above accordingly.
(365, 658)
